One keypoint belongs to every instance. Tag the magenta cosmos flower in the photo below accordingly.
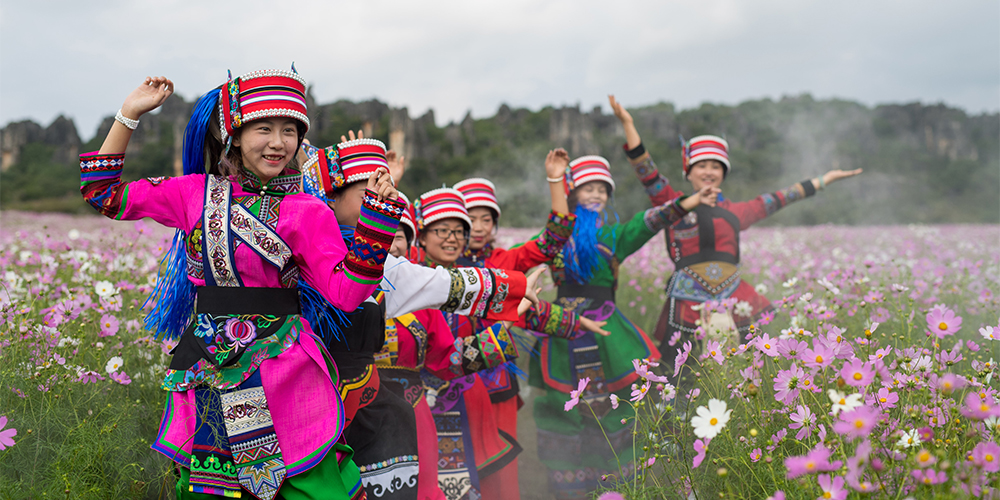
(819, 356)
(700, 447)
(109, 325)
(817, 460)
(942, 321)
(833, 488)
(978, 408)
(928, 476)
(6, 435)
(574, 396)
(857, 373)
(985, 456)
(786, 384)
(856, 423)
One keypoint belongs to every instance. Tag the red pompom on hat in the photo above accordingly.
(479, 192)
(260, 94)
(439, 204)
(705, 147)
(587, 169)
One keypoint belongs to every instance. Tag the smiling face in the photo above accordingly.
(267, 145)
(444, 240)
(400, 243)
(706, 173)
(483, 224)
(593, 195)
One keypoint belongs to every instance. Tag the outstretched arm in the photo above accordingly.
(146, 97)
(555, 169)
(657, 186)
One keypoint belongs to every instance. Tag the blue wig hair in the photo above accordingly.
(173, 297)
(580, 253)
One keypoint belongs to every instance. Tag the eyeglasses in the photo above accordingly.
(444, 234)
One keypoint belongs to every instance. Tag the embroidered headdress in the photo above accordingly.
(586, 169)
(479, 192)
(705, 147)
(438, 204)
(329, 169)
(260, 94)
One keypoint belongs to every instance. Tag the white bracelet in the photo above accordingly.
(557, 179)
(128, 122)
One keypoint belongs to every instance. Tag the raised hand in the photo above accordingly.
(594, 326)
(837, 174)
(397, 165)
(620, 112)
(381, 183)
(361, 135)
(708, 195)
(147, 96)
(530, 292)
(556, 162)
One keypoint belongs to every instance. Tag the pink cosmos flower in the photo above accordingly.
(978, 408)
(786, 384)
(574, 396)
(121, 377)
(611, 495)
(767, 345)
(856, 423)
(614, 401)
(857, 373)
(942, 321)
(928, 476)
(713, 350)
(700, 446)
(884, 399)
(880, 354)
(925, 458)
(791, 348)
(817, 460)
(755, 455)
(639, 391)
(778, 495)
(949, 382)
(833, 489)
(642, 369)
(682, 357)
(874, 296)
(109, 325)
(674, 338)
(803, 419)
(818, 356)
(985, 455)
(766, 318)
(89, 376)
(6, 435)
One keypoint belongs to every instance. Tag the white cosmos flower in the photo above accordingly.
(114, 364)
(909, 439)
(74, 234)
(790, 283)
(844, 402)
(709, 421)
(829, 286)
(743, 308)
(105, 289)
(761, 289)
(990, 333)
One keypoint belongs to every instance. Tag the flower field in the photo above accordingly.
(874, 378)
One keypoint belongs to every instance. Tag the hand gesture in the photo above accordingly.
(361, 135)
(619, 110)
(836, 175)
(147, 96)
(556, 162)
(381, 183)
(709, 195)
(593, 326)
(397, 165)
(530, 292)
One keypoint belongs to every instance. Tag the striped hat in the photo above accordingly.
(334, 167)
(479, 192)
(705, 147)
(587, 169)
(408, 217)
(262, 94)
(439, 204)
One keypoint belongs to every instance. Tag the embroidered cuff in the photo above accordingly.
(101, 185)
(487, 349)
(372, 238)
(492, 294)
(552, 320)
(660, 217)
(557, 232)
(635, 152)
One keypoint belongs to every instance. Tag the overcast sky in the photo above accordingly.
(82, 58)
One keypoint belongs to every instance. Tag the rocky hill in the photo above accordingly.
(923, 163)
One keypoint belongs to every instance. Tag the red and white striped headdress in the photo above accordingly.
(260, 94)
(438, 204)
(408, 217)
(589, 168)
(479, 192)
(705, 147)
(359, 159)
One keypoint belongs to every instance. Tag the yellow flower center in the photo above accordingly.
(827, 494)
(857, 376)
(713, 353)
(988, 457)
(924, 456)
(984, 407)
(842, 401)
(868, 333)
(767, 346)
(943, 326)
(806, 382)
(713, 421)
(909, 441)
(810, 465)
(927, 480)
(819, 359)
(881, 400)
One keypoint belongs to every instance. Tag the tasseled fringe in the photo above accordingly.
(173, 298)
(525, 340)
(326, 320)
(492, 375)
(581, 253)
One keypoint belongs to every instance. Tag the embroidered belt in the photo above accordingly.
(714, 276)
(601, 293)
(248, 300)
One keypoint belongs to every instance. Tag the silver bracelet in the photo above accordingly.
(128, 122)
(557, 179)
